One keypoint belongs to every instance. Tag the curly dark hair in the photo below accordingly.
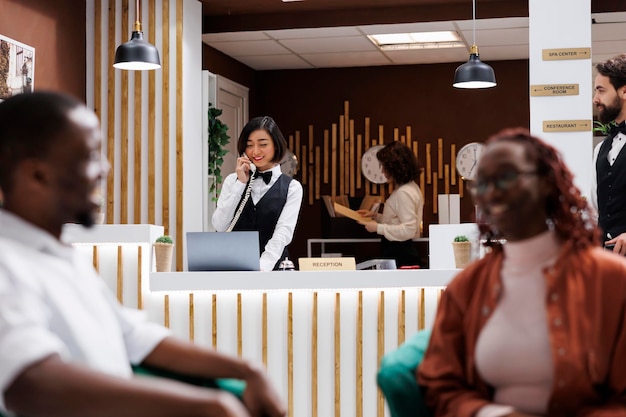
(614, 69)
(565, 207)
(267, 123)
(399, 162)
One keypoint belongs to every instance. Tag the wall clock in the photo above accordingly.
(289, 164)
(371, 167)
(467, 159)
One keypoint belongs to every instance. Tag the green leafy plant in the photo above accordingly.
(461, 238)
(218, 139)
(603, 128)
(165, 239)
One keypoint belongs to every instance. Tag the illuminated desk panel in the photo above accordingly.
(320, 334)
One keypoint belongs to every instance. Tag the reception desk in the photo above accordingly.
(321, 335)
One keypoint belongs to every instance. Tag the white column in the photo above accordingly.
(194, 170)
(561, 24)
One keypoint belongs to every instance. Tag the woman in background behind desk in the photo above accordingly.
(402, 214)
(257, 196)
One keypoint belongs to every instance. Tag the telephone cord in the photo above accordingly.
(245, 199)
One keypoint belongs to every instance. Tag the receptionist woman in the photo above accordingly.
(258, 196)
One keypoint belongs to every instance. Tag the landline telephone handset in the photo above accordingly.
(244, 200)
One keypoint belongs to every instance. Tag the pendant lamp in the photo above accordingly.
(474, 73)
(137, 54)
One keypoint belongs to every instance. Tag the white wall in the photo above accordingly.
(558, 24)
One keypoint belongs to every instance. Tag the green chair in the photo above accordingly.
(234, 386)
(396, 377)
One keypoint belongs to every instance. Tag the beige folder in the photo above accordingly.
(348, 212)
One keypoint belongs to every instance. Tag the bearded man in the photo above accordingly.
(609, 186)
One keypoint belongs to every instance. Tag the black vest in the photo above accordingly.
(264, 215)
(611, 192)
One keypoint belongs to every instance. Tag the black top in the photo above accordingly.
(264, 215)
(611, 191)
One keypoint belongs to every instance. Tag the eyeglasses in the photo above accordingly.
(502, 182)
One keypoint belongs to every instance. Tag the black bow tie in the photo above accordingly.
(620, 128)
(267, 176)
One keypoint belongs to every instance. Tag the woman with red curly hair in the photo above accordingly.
(538, 326)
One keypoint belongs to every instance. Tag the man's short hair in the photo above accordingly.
(614, 69)
(30, 124)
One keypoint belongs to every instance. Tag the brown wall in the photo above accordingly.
(220, 63)
(421, 96)
(56, 29)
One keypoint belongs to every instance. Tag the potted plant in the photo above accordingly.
(603, 129)
(218, 139)
(461, 246)
(163, 252)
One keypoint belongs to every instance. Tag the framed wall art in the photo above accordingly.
(17, 67)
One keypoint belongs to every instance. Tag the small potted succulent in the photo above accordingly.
(461, 246)
(163, 252)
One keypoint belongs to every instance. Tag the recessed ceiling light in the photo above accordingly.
(417, 40)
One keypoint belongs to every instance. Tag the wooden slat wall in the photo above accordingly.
(97, 64)
(343, 149)
(110, 124)
(381, 349)
(124, 121)
(192, 318)
(165, 117)
(151, 118)
(179, 132)
(290, 355)
(142, 116)
(137, 150)
(314, 396)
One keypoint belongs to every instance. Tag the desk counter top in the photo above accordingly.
(299, 280)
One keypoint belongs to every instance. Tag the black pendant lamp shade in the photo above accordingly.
(474, 73)
(137, 54)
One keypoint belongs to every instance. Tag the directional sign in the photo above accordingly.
(566, 53)
(554, 90)
(567, 125)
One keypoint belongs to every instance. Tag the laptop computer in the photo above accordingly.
(223, 251)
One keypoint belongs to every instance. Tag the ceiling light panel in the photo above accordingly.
(417, 40)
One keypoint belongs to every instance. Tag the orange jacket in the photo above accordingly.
(586, 309)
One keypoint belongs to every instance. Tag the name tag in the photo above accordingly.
(326, 264)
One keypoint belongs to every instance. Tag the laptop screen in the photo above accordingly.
(223, 251)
